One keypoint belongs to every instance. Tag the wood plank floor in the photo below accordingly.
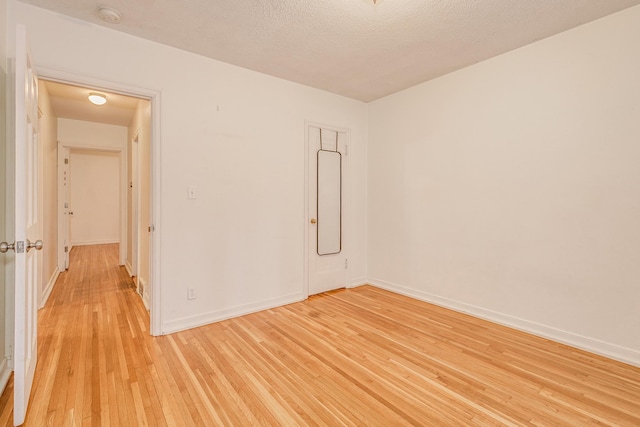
(348, 358)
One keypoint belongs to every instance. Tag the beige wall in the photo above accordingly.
(141, 126)
(49, 155)
(511, 189)
(83, 134)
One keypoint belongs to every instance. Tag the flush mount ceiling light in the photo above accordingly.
(109, 15)
(97, 98)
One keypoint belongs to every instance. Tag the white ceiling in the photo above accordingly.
(354, 48)
(71, 102)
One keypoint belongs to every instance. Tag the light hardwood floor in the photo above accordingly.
(347, 358)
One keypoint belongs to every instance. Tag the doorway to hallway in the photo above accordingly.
(118, 134)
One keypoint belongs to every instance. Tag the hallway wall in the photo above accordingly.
(236, 135)
(49, 181)
(101, 138)
(140, 126)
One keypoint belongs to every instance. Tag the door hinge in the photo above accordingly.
(66, 161)
(346, 263)
(152, 228)
(66, 249)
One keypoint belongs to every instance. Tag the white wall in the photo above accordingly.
(83, 134)
(94, 187)
(141, 127)
(79, 134)
(240, 243)
(511, 189)
(48, 139)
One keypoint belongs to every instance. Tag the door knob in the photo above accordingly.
(37, 244)
(4, 247)
(313, 221)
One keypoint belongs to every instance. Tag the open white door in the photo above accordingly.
(27, 227)
(327, 255)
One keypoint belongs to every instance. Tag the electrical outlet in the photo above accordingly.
(191, 293)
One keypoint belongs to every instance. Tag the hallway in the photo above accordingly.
(91, 335)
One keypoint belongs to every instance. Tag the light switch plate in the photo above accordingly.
(191, 192)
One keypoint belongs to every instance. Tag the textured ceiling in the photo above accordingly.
(354, 48)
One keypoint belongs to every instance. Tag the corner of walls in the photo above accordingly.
(357, 281)
(5, 373)
(202, 319)
(508, 189)
(46, 292)
(365, 171)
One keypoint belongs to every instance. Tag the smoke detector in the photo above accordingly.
(109, 15)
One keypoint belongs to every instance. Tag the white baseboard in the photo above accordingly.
(5, 373)
(129, 268)
(358, 281)
(47, 290)
(95, 242)
(592, 345)
(227, 313)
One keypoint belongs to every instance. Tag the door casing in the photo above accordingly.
(308, 215)
(155, 191)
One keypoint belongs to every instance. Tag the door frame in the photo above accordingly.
(346, 194)
(63, 230)
(156, 174)
(122, 197)
(135, 208)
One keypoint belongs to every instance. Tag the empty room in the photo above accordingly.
(355, 212)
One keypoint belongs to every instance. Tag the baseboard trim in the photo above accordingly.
(622, 354)
(5, 374)
(129, 268)
(228, 313)
(359, 281)
(96, 242)
(47, 290)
